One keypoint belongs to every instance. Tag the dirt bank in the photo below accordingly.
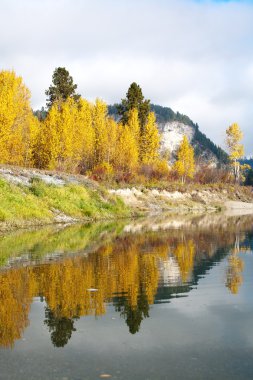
(201, 199)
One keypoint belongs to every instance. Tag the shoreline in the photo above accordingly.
(6, 227)
(31, 197)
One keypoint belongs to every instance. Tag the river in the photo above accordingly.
(156, 298)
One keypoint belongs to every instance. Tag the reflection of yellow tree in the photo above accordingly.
(125, 272)
(235, 268)
(17, 288)
(234, 273)
(128, 267)
(184, 253)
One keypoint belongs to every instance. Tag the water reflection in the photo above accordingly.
(61, 328)
(77, 271)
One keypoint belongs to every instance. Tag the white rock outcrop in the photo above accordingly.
(172, 134)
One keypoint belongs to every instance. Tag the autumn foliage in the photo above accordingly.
(78, 136)
(18, 126)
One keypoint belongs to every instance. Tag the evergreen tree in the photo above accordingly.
(61, 328)
(134, 100)
(62, 87)
(40, 114)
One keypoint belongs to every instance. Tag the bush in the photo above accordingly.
(157, 170)
(207, 174)
(103, 172)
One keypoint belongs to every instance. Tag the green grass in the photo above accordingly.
(19, 203)
(40, 202)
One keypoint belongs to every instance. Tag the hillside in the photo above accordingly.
(174, 125)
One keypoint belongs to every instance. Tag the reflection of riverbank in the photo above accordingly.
(54, 242)
(233, 221)
(130, 270)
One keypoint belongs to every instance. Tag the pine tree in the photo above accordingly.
(185, 165)
(62, 88)
(134, 100)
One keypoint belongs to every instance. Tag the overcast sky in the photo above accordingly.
(191, 55)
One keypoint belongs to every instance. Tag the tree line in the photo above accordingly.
(78, 136)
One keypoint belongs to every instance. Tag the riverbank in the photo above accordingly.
(195, 198)
(30, 197)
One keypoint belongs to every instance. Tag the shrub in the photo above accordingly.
(102, 172)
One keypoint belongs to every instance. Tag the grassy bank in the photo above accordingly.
(35, 197)
(42, 203)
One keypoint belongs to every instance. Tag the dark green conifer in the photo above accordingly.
(62, 87)
(134, 99)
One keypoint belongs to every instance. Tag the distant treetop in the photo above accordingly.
(134, 99)
(62, 87)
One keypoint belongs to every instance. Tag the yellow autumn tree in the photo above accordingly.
(113, 132)
(66, 139)
(83, 136)
(134, 124)
(150, 141)
(127, 150)
(185, 164)
(46, 147)
(235, 148)
(18, 126)
(101, 131)
(53, 144)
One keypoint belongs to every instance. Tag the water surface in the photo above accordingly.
(152, 299)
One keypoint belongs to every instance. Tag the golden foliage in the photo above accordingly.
(76, 135)
(150, 141)
(184, 253)
(66, 284)
(185, 164)
(124, 272)
(66, 138)
(18, 126)
(235, 148)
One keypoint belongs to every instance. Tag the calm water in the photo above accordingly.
(159, 299)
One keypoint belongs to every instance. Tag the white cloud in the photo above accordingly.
(195, 57)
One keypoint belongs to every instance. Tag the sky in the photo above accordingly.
(195, 56)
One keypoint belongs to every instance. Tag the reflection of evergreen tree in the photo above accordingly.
(61, 328)
(134, 315)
